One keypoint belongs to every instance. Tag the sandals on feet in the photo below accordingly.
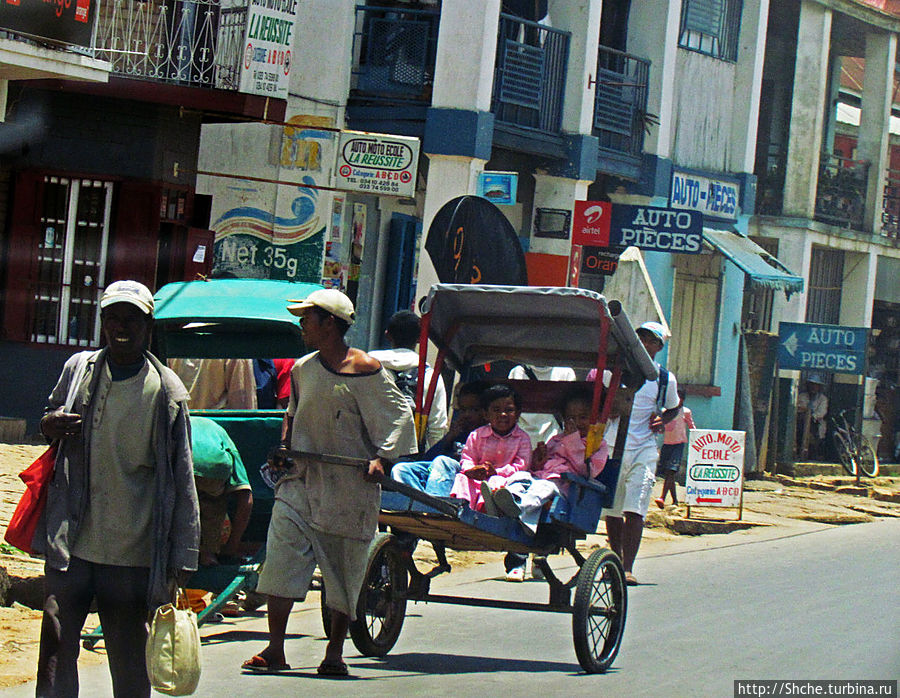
(329, 667)
(261, 665)
(630, 579)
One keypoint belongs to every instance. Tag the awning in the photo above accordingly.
(763, 270)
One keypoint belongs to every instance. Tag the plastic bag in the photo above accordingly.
(173, 651)
(24, 521)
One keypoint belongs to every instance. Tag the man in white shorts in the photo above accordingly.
(655, 404)
(342, 403)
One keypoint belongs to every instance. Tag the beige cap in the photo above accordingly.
(328, 299)
(133, 292)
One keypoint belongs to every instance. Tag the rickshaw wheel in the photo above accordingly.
(381, 608)
(598, 616)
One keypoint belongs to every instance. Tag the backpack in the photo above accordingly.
(663, 385)
(407, 381)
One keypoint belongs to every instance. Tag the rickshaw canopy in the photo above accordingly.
(228, 318)
(538, 326)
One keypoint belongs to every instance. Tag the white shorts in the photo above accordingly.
(636, 479)
(293, 550)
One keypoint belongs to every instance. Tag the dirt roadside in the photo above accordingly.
(777, 506)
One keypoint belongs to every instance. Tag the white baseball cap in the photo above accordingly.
(328, 299)
(133, 292)
(656, 329)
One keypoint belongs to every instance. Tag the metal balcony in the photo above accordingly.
(529, 76)
(890, 205)
(841, 191)
(394, 51)
(184, 42)
(620, 102)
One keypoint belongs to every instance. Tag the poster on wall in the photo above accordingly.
(377, 163)
(252, 242)
(65, 21)
(266, 58)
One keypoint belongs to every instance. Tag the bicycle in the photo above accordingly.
(854, 450)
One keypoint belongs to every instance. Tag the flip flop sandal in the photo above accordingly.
(330, 668)
(630, 579)
(260, 665)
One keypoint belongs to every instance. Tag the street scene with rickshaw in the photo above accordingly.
(438, 346)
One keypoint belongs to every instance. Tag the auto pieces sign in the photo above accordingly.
(377, 163)
(715, 468)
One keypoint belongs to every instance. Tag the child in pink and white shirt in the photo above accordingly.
(495, 451)
(674, 439)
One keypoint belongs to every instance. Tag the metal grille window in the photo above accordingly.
(711, 27)
(71, 261)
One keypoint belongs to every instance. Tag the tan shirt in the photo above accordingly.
(218, 384)
(117, 525)
(353, 415)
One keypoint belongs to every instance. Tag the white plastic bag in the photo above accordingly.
(173, 651)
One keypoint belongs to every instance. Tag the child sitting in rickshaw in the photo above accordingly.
(495, 451)
(525, 493)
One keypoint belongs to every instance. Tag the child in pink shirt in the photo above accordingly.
(495, 451)
(524, 494)
(674, 439)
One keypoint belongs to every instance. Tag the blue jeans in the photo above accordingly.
(432, 477)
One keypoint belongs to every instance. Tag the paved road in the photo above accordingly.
(813, 606)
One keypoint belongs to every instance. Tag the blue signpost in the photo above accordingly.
(829, 348)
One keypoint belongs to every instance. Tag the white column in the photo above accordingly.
(448, 178)
(875, 118)
(582, 19)
(747, 82)
(555, 192)
(322, 67)
(653, 27)
(807, 109)
(467, 46)
(858, 290)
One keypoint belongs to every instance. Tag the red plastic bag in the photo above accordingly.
(23, 523)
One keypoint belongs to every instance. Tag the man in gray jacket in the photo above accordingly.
(121, 520)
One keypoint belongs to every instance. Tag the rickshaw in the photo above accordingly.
(243, 319)
(473, 326)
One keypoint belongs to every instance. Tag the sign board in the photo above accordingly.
(715, 468)
(832, 348)
(266, 59)
(66, 21)
(657, 229)
(711, 196)
(498, 187)
(377, 163)
(590, 223)
(599, 261)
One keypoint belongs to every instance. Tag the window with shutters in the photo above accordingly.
(711, 27)
(71, 261)
(695, 318)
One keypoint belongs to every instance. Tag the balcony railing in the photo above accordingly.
(394, 51)
(529, 75)
(184, 42)
(890, 205)
(620, 101)
(841, 191)
(770, 181)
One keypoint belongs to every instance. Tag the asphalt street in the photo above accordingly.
(818, 605)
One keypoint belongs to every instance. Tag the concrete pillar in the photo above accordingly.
(459, 129)
(582, 19)
(555, 192)
(467, 47)
(309, 77)
(653, 27)
(807, 109)
(747, 82)
(875, 118)
(858, 291)
(834, 88)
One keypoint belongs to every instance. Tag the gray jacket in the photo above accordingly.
(176, 519)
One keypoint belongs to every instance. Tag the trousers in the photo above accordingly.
(121, 594)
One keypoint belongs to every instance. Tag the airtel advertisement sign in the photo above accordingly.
(590, 223)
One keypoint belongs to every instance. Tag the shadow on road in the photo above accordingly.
(240, 635)
(434, 663)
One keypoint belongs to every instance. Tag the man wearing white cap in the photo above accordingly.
(342, 403)
(655, 404)
(121, 521)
